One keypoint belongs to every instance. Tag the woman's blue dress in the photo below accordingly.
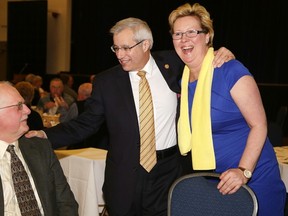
(230, 132)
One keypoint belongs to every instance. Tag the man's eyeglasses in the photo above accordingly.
(19, 106)
(190, 34)
(124, 48)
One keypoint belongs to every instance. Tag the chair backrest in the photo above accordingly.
(197, 195)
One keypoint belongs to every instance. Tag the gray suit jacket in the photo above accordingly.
(54, 192)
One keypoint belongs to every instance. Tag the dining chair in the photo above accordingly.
(197, 195)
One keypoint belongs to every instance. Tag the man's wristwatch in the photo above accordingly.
(247, 173)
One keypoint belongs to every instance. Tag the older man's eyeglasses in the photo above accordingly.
(116, 49)
(190, 34)
(19, 106)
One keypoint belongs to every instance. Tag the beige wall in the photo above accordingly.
(3, 20)
(58, 35)
(3, 38)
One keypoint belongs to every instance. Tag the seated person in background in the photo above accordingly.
(100, 138)
(26, 90)
(92, 76)
(68, 82)
(84, 92)
(30, 78)
(51, 194)
(36, 82)
(58, 102)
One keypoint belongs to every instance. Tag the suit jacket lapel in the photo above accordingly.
(32, 163)
(170, 76)
(125, 89)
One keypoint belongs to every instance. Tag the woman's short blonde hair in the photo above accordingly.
(198, 11)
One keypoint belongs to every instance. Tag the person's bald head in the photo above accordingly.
(84, 91)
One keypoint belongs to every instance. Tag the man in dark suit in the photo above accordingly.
(50, 187)
(128, 188)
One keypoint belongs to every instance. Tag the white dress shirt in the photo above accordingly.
(164, 104)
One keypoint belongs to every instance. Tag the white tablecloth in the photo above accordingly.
(84, 169)
(282, 157)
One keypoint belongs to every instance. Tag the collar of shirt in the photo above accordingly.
(4, 145)
(148, 68)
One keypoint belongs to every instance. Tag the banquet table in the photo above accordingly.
(84, 170)
(282, 157)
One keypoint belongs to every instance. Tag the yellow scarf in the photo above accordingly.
(200, 140)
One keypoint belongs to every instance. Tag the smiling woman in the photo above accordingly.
(222, 122)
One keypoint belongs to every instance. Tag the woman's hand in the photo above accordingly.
(231, 180)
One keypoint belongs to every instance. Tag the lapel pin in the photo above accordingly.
(166, 66)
